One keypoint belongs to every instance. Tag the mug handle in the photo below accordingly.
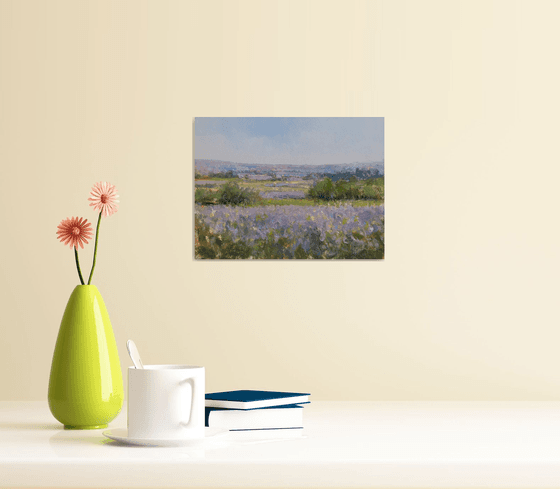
(194, 390)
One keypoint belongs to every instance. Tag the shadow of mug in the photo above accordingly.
(72, 444)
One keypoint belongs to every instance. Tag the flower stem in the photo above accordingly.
(95, 249)
(78, 265)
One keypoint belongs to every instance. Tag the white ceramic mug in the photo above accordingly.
(166, 402)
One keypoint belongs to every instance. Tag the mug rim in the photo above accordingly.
(170, 366)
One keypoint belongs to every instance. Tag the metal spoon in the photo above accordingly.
(134, 355)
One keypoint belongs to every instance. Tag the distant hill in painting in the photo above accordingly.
(362, 170)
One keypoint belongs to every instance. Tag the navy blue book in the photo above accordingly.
(269, 418)
(249, 399)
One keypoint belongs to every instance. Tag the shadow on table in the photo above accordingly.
(65, 442)
(30, 426)
(66, 445)
(66, 439)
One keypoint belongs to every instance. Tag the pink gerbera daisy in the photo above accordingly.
(104, 198)
(74, 231)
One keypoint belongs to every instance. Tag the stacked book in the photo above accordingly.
(250, 410)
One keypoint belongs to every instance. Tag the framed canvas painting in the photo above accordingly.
(289, 188)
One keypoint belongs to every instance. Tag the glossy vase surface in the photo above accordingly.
(85, 385)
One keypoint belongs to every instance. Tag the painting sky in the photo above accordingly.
(290, 140)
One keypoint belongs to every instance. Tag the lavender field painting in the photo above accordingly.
(295, 187)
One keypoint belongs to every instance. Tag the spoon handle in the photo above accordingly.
(134, 354)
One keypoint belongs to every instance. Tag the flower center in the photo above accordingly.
(103, 199)
(76, 230)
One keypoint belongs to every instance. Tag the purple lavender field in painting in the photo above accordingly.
(296, 187)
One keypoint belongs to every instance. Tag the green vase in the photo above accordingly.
(85, 385)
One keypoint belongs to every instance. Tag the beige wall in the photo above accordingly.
(465, 305)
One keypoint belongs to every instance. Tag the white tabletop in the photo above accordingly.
(344, 444)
